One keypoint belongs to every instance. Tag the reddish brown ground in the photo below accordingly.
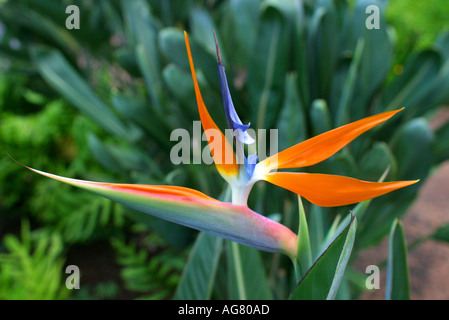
(429, 262)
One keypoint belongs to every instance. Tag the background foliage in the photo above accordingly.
(301, 69)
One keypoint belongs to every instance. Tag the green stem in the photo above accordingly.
(235, 251)
(304, 253)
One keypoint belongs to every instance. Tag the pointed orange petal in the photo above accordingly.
(221, 149)
(321, 147)
(327, 190)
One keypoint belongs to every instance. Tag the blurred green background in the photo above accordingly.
(99, 103)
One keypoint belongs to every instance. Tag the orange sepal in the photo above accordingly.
(223, 154)
(323, 146)
(327, 190)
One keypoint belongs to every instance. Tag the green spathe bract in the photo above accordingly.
(233, 222)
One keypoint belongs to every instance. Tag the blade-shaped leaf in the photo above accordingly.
(143, 34)
(398, 287)
(417, 80)
(441, 234)
(377, 56)
(440, 149)
(324, 277)
(304, 256)
(57, 71)
(373, 163)
(343, 113)
(202, 25)
(320, 118)
(440, 93)
(199, 274)
(322, 45)
(292, 123)
(171, 42)
(411, 146)
(268, 65)
(243, 15)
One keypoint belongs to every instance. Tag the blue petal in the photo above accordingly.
(250, 164)
(232, 117)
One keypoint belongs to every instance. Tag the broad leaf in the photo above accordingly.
(441, 234)
(199, 274)
(267, 66)
(304, 255)
(57, 71)
(398, 287)
(324, 277)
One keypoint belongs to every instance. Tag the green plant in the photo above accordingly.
(416, 23)
(32, 267)
(152, 272)
(303, 67)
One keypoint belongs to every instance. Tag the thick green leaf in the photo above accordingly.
(411, 87)
(398, 287)
(292, 124)
(343, 111)
(375, 161)
(202, 27)
(339, 78)
(324, 277)
(102, 153)
(441, 233)
(442, 44)
(172, 45)
(243, 16)
(268, 65)
(56, 70)
(377, 56)
(181, 88)
(49, 26)
(318, 224)
(322, 46)
(440, 147)
(320, 118)
(198, 276)
(142, 33)
(126, 158)
(137, 110)
(412, 149)
(439, 94)
(342, 163)
(304, 255)
(300, 52)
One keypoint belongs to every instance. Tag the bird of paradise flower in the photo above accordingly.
(236, 221)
